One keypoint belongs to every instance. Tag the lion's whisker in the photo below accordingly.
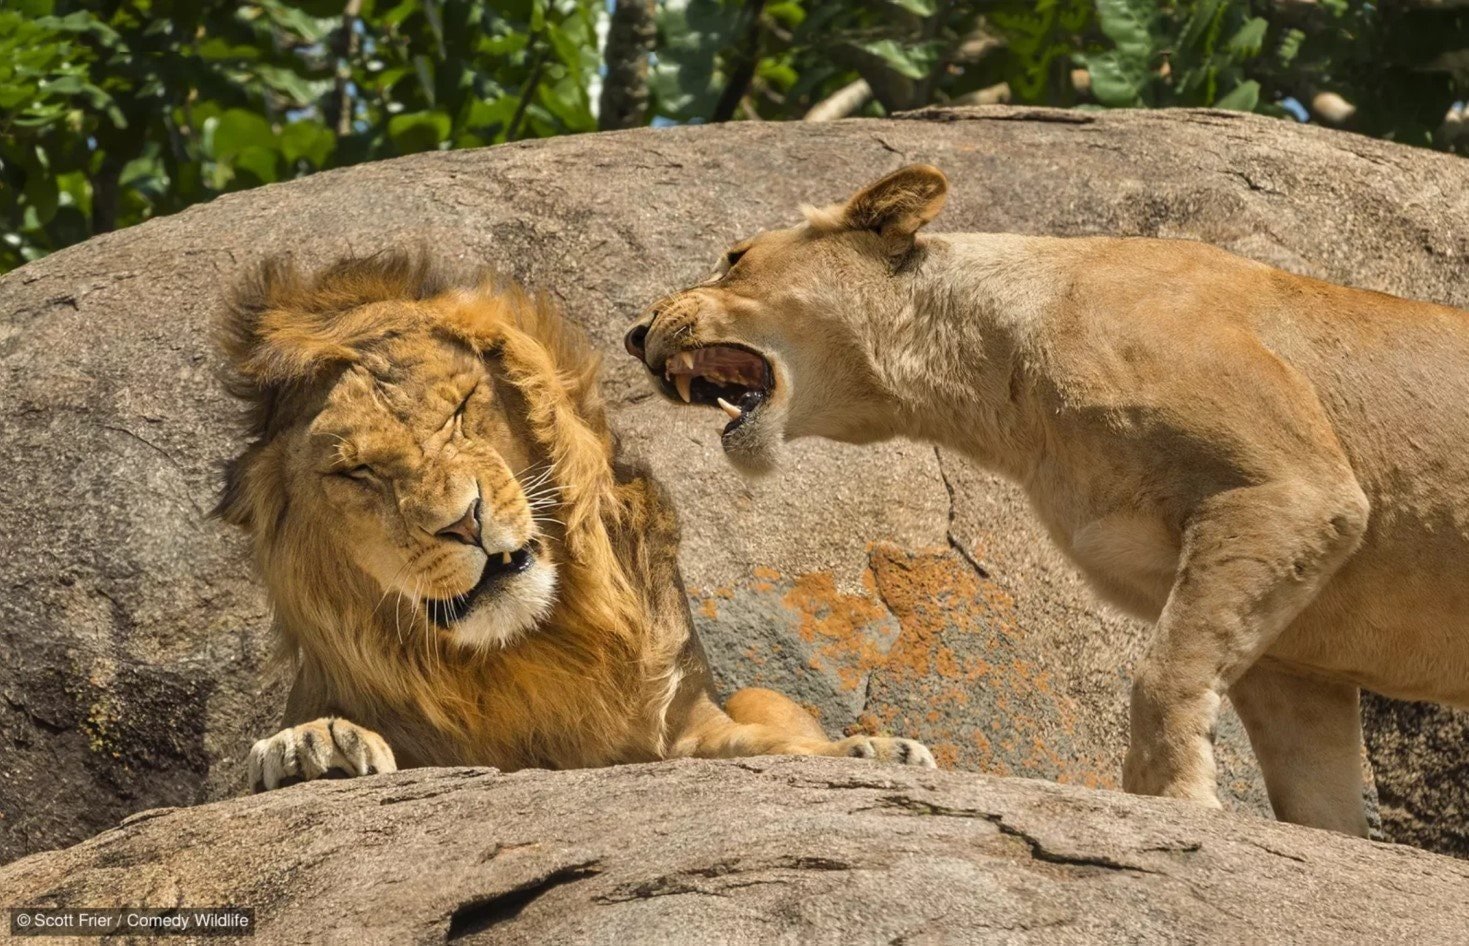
(391, 589)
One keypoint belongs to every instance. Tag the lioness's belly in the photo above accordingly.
(1395, 618)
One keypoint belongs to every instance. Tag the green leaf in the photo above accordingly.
(491, 116)
(1242, 98)
(238, 129)
(567, 49)
(788, 13)
(418, 131)
(41, 195)
(259, 162)
(1290, 47)
(914, 62)
(219, 48)
(1117, 79)
(307, 140)
(1128, 23)
(1248, 40)
(917, 7)
(1197, 26)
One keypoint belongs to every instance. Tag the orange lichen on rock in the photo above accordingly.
(837, 626)
(929, 648)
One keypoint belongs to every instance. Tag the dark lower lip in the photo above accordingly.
(750, 405)
(446, 612)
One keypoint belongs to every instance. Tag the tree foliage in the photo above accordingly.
(112, 112)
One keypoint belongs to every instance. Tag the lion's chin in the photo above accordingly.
(514, 609)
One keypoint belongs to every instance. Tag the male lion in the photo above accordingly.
(461, 566)
(1271, 468)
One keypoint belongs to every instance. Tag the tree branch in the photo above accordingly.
(841, 103)
(630, 40)
(344, 46)
(531, 81)
(744, 70)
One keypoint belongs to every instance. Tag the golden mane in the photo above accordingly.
(588, 687)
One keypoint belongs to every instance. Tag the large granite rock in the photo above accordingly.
(750, 851)
(892, 588)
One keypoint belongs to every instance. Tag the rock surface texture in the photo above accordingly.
(752, 851)
(892, 588)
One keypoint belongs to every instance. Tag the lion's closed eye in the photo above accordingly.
(459, 411)
(362, 472)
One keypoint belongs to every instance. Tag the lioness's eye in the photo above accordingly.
(362, 472)
(733, 257)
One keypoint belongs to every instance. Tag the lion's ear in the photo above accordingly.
(279, 327)
(897, 205)
(253, 496)
(234, 504)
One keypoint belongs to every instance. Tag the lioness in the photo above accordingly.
(1271, 468)
(461, 566)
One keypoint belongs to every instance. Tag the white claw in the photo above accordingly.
(684, 383)
(734, 412)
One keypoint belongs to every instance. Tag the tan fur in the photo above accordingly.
(387, 399)
(1270, 468)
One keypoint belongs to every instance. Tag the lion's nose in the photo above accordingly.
(466, 529)
(636, 341)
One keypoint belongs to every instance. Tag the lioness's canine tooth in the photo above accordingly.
(684, 383)
(734, 412)
(504, 558)
(684, 360)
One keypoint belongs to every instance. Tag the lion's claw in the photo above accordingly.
(888, 749)
(315, 750)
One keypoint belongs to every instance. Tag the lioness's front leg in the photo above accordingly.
(312, 750)
(756, 721)
(1252, 559)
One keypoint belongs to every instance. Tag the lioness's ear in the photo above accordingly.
(900, 203)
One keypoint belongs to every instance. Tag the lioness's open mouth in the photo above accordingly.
(732, 378)
(447, 612)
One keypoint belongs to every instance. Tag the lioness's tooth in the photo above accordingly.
(684, 383)
(734, 412)
(504, 558)
(685, 360)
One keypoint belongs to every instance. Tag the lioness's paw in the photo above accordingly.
(885, 749)
(314, 749)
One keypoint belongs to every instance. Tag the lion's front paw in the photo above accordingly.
(314, 749)
(886, 749)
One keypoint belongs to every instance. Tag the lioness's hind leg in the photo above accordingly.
(769, 708)
(1307, 736)
(316, 749)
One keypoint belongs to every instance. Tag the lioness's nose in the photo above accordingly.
(466, 529)
(636, 341)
